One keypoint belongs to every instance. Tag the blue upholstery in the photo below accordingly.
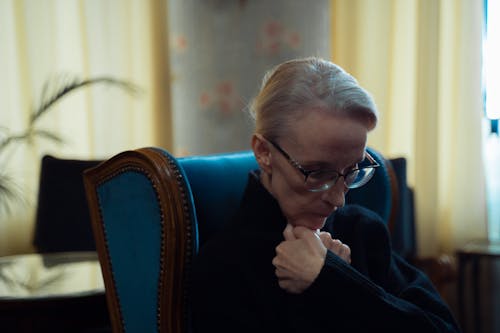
(150, 211)
(133, 231)
(222, 179)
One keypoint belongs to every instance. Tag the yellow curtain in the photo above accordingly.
(421, 59)
(40, 40)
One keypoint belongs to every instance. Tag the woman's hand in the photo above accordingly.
(336, 246)
(300, 257)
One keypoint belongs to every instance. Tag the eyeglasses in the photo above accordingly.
(321, 180)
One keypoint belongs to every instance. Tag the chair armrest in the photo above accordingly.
(442, 270)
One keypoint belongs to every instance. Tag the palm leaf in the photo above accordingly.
(9, 193)
(65, 86)
(48, 135)
(13, 138)
(52, 92)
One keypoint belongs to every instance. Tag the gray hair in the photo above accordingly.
(296, 86)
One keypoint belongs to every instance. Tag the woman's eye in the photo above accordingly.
(324, 175)
(352, 168)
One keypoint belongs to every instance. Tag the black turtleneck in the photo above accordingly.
(234, 288)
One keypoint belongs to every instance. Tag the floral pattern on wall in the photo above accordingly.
(219, 52)
(222, 98)
(274, 37)
(178, 43)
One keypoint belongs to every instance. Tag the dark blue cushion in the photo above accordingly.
(62, 215)
(403, 234)
(376, 195)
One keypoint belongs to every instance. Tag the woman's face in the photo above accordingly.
(318, 140)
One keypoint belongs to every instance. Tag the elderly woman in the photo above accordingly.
(294, 258)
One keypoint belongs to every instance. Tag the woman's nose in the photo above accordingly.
(335, 195)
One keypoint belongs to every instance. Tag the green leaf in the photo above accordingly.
(48, 135)
(52, 92)
(65, 86)
(10, 192)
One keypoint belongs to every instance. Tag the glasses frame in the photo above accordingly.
(307, 173)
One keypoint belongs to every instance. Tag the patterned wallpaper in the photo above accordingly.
(219, 51)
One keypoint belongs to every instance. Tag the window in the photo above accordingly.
(491, 81)
(491, 56)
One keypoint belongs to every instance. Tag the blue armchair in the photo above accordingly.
(150, 213)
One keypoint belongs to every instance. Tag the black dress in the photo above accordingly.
(234, 287)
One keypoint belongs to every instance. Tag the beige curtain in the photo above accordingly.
(42, 39)
(421, 59)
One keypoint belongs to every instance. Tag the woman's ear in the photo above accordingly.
(260, 148)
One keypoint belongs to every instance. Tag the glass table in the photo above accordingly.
(54, 292)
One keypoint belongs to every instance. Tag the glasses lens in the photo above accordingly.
(352, 176)
(321, 180)
(362, 177)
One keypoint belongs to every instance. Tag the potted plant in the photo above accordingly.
(53, 92)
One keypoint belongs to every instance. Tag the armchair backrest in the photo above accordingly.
(62, 221)
(150, 211)
(216, 183)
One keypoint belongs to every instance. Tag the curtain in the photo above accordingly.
(48, 40)
(421, 59)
